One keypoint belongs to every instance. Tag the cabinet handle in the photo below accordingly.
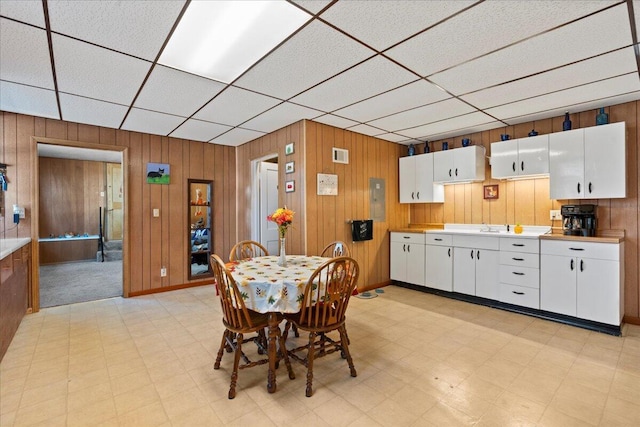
(571, 265)
(589, 187)
(438, 240)
(517, 244)
(449, 252)
(576, 249)
(456, 171)
(513, 166)
(412, 198)
(478, 255)
(522, 166)
(471, 254)
(518, 293)
(517, 259)
(409, 248)
(517, 273)
(406, 237)
(404, 248)
(449, 173)
(578, 188)
(581, 265)
(418, 195)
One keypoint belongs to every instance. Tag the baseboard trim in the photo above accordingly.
(631, 320)
(171, 288)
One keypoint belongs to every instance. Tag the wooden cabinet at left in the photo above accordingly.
(15, 269)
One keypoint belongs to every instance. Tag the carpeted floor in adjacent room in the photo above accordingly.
(73, 282)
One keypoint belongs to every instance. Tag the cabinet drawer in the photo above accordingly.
(521, 276)
(519, 295)
(408, 238)
(439, 239)
(519, 245)
(520, 259)
(476, 242)
(609, 251)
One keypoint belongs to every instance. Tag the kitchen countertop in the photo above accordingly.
(596, 239)
(529, 232)
(9, 246)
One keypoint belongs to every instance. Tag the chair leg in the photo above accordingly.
(223, 344)
(310, 354)
(345, 347)
(288, 324)
(236, 362)
(294, 328)
(285, 356)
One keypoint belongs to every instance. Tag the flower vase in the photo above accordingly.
(282, 260)
(566, 125)
(602, 118)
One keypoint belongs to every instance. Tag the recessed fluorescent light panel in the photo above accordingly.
(222, 39)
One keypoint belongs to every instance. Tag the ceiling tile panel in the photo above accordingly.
(313, 6)
(28, 100)
(86, 70)
(316, 53)
(151, 122)
(135, 27)
(92, 112)
(198, 130)
(601, 67)
(393, 137)
(237, 136)
(603, 89)
(234, 106)
(426, 114)
(33, 68)
(381, 24)
(30, 12)
(182, 97)
(280, 116)
(404, 98)
(330, 119)
(370, 78)
(452, 125)
(591, 36)
(468, 131)
(484, 28)
(367, 130)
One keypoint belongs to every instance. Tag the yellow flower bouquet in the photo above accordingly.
(283, 217)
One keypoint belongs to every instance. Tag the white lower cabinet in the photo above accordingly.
(582, 279)
(439, 262)
(408, 257)
(520, 272)
(475, 265)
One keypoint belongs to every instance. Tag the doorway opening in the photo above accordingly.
(264, 200)
(80, 223)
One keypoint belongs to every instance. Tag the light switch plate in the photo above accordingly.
(156, 213)
(554, 214)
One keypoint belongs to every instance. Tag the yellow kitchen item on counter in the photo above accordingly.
(517, 229)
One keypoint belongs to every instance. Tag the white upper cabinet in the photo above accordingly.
(459, 165)
(520, 157)
(416, 180)
(588, 163)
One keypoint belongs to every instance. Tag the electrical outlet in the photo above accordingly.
(163, 272)
(554, 214)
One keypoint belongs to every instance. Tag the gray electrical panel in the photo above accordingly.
(377, 199)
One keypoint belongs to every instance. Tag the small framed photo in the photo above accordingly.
(289, 167)
(158, 173)
(289, 186)
(491, 191)
(288, 149)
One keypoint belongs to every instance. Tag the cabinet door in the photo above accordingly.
(439, 266)
(398, 261)
(604, 161)
(468, 163)
(504, 158)
(598, 295)
(464, 270)
(426, 190)
(558, 276)
(566, 164)
(533, 155)
(487, 274)
(415, 264)
(443, 166)
(407, 179)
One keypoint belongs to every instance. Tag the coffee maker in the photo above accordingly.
(578, 220)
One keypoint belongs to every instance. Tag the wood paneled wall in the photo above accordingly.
(528, 201)
(153, 242)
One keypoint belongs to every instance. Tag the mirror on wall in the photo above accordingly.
(200, 228)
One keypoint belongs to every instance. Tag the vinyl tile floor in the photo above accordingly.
(422, 360)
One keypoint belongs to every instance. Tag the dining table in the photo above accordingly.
(269, 288)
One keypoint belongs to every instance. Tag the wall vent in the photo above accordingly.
(340, 155)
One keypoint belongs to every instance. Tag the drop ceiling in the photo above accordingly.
(403, 71)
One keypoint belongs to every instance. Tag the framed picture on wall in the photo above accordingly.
(158, 173)
(288, 149)
(290, 186)
(289, 167)
(491, 191)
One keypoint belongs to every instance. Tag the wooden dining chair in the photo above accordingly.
(247, 249)
(336, 249)
(238, 320)
(324, 304)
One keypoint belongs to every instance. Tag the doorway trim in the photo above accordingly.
(34, 291)
(255, 193)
